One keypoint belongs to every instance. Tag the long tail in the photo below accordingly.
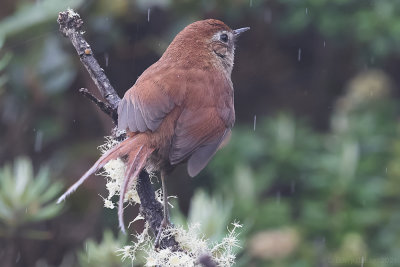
(137, 151)
(136, 162)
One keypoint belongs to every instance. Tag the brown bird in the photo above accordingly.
(179, 110)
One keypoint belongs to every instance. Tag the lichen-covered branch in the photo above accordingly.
(71, 26)
(152, 210)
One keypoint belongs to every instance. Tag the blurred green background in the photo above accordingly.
(312, 169)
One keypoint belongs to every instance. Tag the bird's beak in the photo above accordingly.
(238, 32)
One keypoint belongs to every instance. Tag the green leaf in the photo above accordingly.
(39, 185)
(23, 172)
(51, 192)
(23, 196)
(46, 212)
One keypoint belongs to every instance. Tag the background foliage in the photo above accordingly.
(312, 167)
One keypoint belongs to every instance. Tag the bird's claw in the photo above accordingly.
(163, 225)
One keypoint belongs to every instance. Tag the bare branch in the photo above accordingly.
(106, 108)
(70, 25)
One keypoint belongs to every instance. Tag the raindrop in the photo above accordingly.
(278, 197)
(362, 261)
(18, 257)
(106, 57)
(38, 141)
(324, 43)
(255, 122)
(386, 170)
(306, 10)
(148, 15)
(299, 54)
(251, 3)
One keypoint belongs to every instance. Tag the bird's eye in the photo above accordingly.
(223, 37)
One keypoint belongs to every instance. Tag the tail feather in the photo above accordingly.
(136, 162)
(115, 152)
(137, 151)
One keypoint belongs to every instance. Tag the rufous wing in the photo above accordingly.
(157, 91)
(144, 110)
(198, 134)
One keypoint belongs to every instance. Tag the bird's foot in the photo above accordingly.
(164, 223)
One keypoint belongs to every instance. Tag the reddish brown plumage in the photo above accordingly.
(181, 108)
(183, 102)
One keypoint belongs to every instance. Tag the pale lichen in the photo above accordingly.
(114, 171)
(193, 245)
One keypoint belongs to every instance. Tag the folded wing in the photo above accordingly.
(206, 101)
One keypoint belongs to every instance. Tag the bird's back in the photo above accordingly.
(181, 109)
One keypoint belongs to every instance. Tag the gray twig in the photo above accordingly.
(70, 25)
(106, 108)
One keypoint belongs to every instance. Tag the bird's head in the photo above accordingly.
(207, 40)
